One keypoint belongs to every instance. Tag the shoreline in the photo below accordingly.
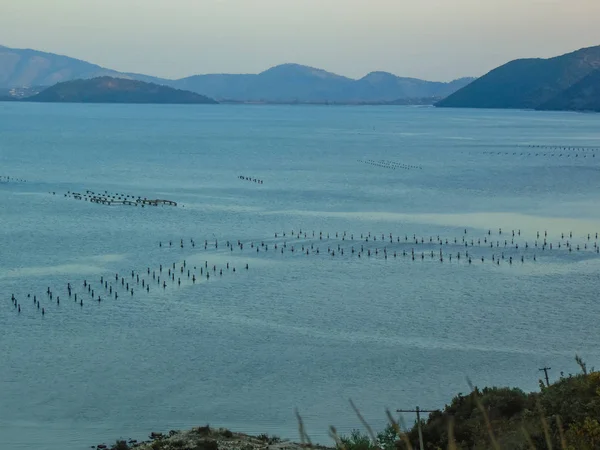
(207, 438)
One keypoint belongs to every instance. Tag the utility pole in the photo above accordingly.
(546, 369)
(418, 411)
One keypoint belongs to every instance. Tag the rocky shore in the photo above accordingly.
(206, 438)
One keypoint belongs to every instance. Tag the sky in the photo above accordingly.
(431, 39)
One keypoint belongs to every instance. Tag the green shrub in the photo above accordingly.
(574, 399)
(357, 441)
(227, 434)
(274, 439)
(203, 431)
(388, 438)
(120, 445)
(207, 445)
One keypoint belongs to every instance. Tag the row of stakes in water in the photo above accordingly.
(193, 276)
(313, 247)
(438, 240)
(109, 289)
(562, 147)
(559, 155)
(386, 164)
(9, 179)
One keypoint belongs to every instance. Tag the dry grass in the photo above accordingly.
(561, 433)
(304, 438)
(398, 430)
(528, 438)
(545, 426)
(451, 441)
(486, 418)
(365, 424)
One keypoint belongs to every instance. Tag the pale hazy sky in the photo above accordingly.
(431, 39)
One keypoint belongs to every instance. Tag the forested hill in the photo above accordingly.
(116, 90)
(530, 83)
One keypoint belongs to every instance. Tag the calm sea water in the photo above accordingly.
(244, 349)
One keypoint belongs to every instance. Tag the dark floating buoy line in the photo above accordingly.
(116, 198)
(548, 154)
(549, 151)
(387, 164)
(254, 180)
(498, 247)
(9, 179)
(574, 148)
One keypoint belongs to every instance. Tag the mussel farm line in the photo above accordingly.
(108, 198)
(386, 164)
(549, 151)
(576, 148)
(116, 287)
(495, 247)
(539, 153)
(253, 179)
(9, 179)
(466, 249)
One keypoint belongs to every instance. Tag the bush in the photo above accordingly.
(203, 431)
(269, 439)
(207, 445)
(575, 400)
(228, 434)
(357, 441)
(503, 402)
(585, 435)
(120, 445)
(388, 438)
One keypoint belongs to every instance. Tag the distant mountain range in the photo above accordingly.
(567, 82)
(296, 83)
(116, 90)
(287, 83)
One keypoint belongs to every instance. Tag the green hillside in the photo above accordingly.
(526, 83)
(582, 96)
(116, 90)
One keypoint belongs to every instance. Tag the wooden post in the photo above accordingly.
(546, 369)
(418, 411)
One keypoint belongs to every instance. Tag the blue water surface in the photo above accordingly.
(243, 350)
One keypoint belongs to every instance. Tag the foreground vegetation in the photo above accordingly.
(564, 415)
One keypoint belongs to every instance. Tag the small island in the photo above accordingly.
(116, 90)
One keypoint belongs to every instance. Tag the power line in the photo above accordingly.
(418, 411)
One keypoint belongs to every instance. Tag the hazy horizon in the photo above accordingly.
(436, 40)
